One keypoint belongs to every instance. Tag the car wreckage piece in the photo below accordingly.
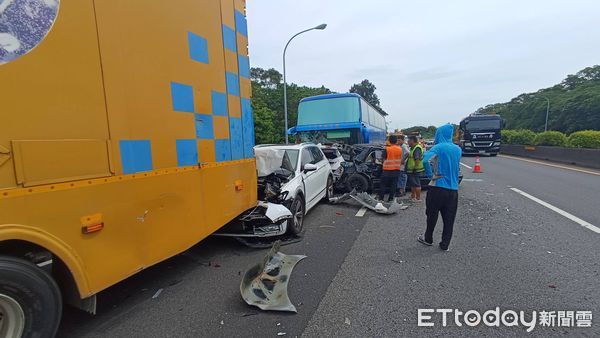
(264, 220)
(265, 284)
(370, 203)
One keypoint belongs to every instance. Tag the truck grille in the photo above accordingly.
(482, 144)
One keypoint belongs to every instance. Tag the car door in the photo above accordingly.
(374, 162)
(323, 168)
(310, 178)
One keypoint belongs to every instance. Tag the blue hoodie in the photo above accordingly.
(442, 161)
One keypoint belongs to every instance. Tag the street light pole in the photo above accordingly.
(547, 111)
(285, 108)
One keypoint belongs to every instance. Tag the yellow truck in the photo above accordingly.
(126, 137)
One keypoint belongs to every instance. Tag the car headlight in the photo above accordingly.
(283, 195)
(288, 203)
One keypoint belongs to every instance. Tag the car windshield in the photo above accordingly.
(331, 154)
(483, 124)
(290, 160)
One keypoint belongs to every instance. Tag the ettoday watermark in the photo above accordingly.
(496, 318)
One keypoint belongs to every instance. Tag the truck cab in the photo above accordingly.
(481, 134)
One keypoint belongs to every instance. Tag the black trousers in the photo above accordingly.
(445, 202)
(389, 182)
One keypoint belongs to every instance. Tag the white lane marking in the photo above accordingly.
(466, 166)
(552, 165)
(361, 212)
(559, 211)
(472, 180)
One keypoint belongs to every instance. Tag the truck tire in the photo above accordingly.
(298, 210)
(30, 300)
(358, 182)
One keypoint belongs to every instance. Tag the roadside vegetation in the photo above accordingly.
(578, 139)
(574, 105)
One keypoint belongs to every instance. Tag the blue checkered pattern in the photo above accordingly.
(136, 154)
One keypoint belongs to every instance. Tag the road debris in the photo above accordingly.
(281, 333)
(369, 202)
(265, 284)
(158, 292)
(347, 321)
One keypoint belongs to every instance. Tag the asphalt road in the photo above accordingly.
(367, 276)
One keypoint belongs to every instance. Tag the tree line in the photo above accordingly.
(574, 105)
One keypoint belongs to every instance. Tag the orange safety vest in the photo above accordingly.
(393, 160)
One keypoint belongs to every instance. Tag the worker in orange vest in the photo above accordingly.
(391, 169)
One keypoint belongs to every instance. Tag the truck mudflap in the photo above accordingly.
(264, 285)
(265, 220)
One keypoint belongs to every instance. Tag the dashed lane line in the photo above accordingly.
(361, 212)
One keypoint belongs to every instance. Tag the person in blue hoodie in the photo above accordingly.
(442, 163)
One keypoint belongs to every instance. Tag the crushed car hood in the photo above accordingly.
(268, 160)
(271, 160)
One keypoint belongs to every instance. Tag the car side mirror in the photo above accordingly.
(309, 167)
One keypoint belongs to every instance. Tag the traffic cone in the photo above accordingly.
(477, 166)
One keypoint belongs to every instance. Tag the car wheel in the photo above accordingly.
(329, 189)
(298, 210)
(358, 182)
(30, 300)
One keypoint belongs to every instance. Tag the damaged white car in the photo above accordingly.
(291, 180)
(297, 176)
(334, 156)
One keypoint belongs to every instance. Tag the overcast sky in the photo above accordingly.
(432, 61)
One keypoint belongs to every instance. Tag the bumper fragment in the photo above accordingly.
(264, 285)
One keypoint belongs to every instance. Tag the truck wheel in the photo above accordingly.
(298, 210)
(30, 300)
(358, 182)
